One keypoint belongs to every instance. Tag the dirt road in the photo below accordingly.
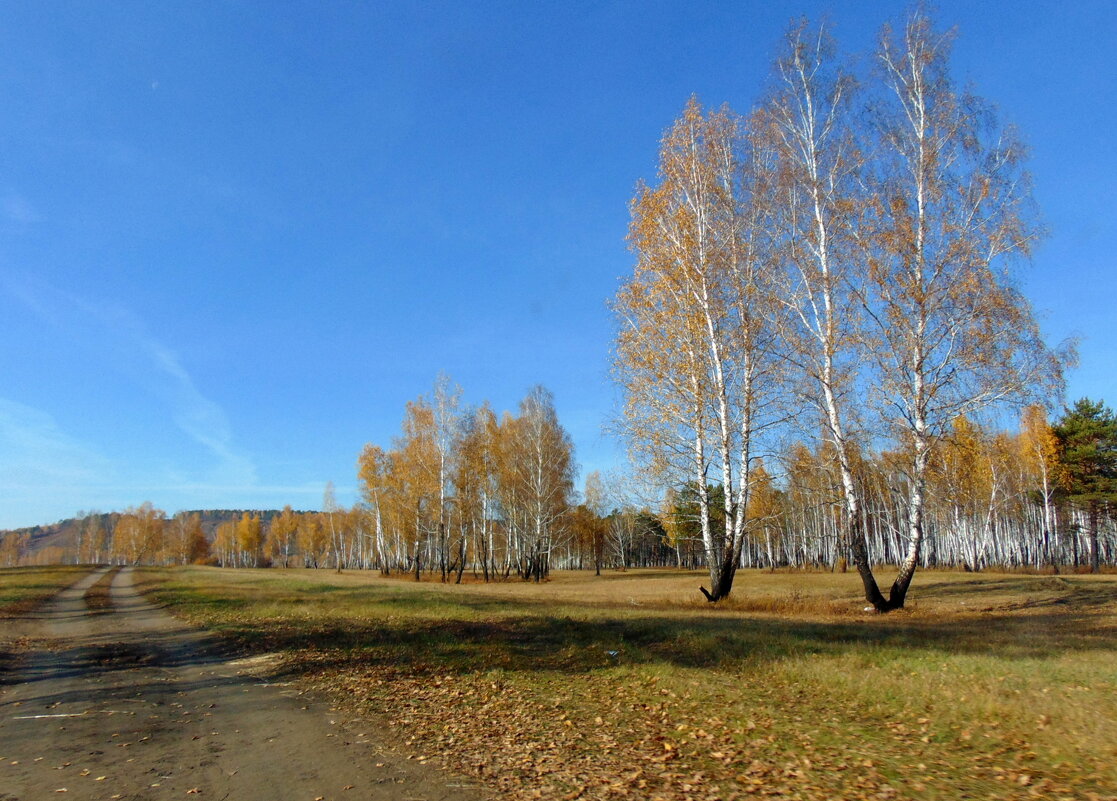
(132, 704)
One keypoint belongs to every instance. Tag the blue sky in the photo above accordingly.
(236, 237)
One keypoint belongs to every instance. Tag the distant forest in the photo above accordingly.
(63, 541)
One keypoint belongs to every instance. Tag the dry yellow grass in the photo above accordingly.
(989, 686)
(935, 594)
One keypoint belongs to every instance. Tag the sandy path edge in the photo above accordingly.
(135, 704)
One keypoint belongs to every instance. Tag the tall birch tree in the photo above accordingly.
(951, 334)
(817, 209)
(691, 331)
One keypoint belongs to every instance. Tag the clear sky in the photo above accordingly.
(236, 237)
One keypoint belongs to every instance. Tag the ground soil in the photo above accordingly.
(129, 703)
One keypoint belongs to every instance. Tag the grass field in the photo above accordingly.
(990, 686)
(24, 588)
(21, 590)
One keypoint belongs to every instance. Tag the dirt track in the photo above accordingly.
(132, 704)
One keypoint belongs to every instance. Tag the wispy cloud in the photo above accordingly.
(44, 472)
(37, 451)
(199, 417)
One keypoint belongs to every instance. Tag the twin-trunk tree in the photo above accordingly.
(845, 257)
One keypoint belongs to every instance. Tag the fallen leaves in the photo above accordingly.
(580, 737)
(531, 715)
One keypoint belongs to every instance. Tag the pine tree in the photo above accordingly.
(1088, 444)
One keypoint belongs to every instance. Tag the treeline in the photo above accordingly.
(1041, 498)
(1044, 498)
(142, 534)
(461, 491)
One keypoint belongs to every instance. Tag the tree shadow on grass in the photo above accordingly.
(536, 643)
(435, 633)
(1027, 592)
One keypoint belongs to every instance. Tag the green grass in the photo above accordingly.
(24, 588)
(990, 686)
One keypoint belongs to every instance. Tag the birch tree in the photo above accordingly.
(184, 538)
(691, 331)
(416, 471)
(593, 498)
(475, 490)
(373, 469)
(250, 540)
(1039, 448)
(951, 335)
(138, 534)
(446, 420)
(817, 209)
(313, 539)
(96, 539)
(538, 480)
(330, 514)
(281, 542)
